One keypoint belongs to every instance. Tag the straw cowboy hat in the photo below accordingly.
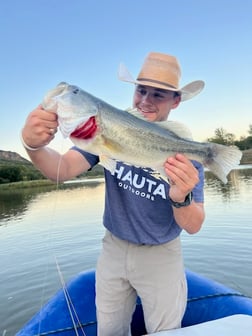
(162, 71)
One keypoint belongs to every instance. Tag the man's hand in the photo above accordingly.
(182, 176)
(40, 128)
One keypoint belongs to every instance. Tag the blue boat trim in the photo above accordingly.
(208, 300)
(210, 296)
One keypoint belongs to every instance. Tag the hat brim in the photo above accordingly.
(186, 92)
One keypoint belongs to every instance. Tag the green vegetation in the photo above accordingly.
(27, 184)
(224, 138)
(16, 171)
(14, 168)
(20, 173)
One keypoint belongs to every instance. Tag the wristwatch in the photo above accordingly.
(187, 201)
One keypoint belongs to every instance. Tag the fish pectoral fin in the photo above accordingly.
(108, 163)
(111, 147)
(135, 113)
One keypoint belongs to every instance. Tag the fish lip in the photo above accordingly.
(61, 87)
(50, 100)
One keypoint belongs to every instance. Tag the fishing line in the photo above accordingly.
(70, 305)
(69, 302)
(51, 247)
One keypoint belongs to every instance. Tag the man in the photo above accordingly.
(141, 252)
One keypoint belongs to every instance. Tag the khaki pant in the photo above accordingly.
(155, 273)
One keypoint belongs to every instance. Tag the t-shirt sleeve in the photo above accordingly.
(91, 158)
(198, 191)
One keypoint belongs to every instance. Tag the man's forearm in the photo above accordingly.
(191, 217)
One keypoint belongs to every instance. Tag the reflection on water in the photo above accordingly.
(63, 223)
(14, 202)
(222, 249)
(37, 225)
(238, 186)
(238, 181)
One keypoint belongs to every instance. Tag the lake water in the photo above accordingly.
(40, 226)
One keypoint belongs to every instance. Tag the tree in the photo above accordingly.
(10, 174)
(15, 172)
(250, 130)
(244, 143)
(222, 137)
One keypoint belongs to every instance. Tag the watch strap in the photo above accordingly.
(187, 201)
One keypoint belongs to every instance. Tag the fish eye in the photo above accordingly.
(76, 90)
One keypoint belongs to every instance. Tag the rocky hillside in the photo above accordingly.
(12, 163)
(8, 157)
(15, 168)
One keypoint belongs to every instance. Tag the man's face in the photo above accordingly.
(154, 103)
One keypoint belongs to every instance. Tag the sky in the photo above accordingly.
(44, 42)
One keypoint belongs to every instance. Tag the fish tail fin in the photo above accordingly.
(224, 159)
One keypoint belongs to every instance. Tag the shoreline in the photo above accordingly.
(85, 180)
(246, 157)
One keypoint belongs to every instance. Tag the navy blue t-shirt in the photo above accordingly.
(137, 206)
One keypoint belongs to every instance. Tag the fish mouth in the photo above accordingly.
(85, 130)
(49, 101)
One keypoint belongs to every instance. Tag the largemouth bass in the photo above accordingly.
(118, 135)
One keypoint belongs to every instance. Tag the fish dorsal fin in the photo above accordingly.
(135, 113)
(175, 127)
